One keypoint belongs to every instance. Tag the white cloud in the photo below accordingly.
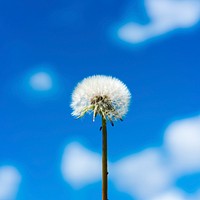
(41, 81)
(80, 166)
(9, 182)
(176, 194)
(143, 175)
(165, 16)
(172, 194)
(182, 141)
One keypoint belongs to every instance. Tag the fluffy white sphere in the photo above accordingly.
(103, 95)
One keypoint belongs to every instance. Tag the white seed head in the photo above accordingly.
(102, 95)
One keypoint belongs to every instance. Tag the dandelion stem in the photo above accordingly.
(104, 160)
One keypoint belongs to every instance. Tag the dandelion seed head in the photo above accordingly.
(102, 95)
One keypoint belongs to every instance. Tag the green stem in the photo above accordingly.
(104, 161)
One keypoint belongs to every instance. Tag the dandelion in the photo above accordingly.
(105, 96)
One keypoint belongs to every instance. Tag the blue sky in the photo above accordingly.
(47, 47)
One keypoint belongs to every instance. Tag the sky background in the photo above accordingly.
(47, 47)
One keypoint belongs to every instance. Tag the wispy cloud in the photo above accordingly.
(80, 166)
(41, 81)
(182, 142)
(143, 175)
(9, 182)
(173, 194)
(165, 16)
